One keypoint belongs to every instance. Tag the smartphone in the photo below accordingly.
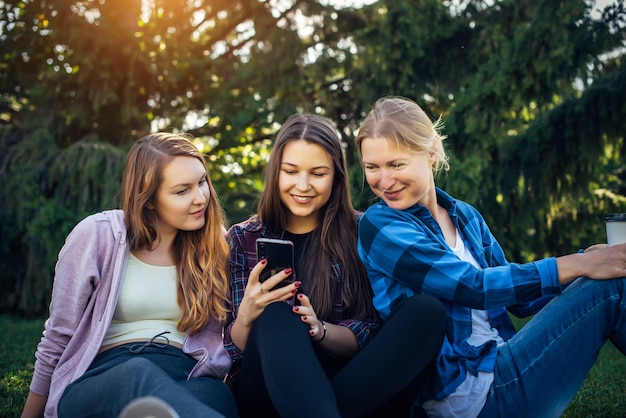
(279, 255)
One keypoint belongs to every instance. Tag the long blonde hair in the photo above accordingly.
(200, 256)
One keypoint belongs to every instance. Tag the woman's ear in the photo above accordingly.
(431, 158)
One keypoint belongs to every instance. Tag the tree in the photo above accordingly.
(520, 84)
(105, 73)
(532, 94)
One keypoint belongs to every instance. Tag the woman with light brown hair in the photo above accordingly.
(140, 297)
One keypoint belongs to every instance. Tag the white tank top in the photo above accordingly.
(146, 305)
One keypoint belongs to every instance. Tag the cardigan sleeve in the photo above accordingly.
(76, 276)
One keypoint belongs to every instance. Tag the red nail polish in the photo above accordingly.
(304, 318)
(300, 295)
(294, 291)
(288, 271)
(296, 308)
(297, 284)
(264, 261)
(311, 332)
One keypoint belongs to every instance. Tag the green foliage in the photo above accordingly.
(532, 95)
(47, 191)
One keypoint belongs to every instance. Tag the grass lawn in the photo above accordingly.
(603, 393)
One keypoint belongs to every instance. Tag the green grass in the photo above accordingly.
(19, 340)
(603, 393)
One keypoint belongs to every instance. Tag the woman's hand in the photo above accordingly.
(606, 262)
(256, 297)
(308, 316)
(336, 339)
(597, 262)
(596, 247)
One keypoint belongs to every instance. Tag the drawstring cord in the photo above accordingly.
(138, 348)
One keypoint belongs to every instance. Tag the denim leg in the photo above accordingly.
(118, 377)
(541, 368)
(212, 392)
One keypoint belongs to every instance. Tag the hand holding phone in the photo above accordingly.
(279, 256)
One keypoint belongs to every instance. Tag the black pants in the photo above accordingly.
(284, 374)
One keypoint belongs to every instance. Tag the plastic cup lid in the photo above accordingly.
(615, 217)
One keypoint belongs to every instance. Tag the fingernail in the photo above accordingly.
(304, 318)
(311, 332)
(294, 291)
(297, 284)
(296, 308)
(288, 271)
(300, 296)
(264, 261)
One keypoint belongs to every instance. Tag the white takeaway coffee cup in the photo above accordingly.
(615, 228)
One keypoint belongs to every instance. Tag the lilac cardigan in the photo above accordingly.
(87, 280)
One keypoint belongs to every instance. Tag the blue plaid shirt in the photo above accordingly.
(405, 253)
(242, 240)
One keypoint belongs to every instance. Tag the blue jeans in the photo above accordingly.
(541, 368)
(118, 376)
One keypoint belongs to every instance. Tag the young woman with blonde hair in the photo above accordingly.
(419, 240)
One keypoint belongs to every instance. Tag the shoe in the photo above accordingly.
(148, 407)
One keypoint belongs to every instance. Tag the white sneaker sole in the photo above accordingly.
(148, 407)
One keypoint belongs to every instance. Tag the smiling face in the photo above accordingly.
(305, 183)
(183, 195)
(401, 177)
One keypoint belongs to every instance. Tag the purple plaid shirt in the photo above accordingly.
(242, 240)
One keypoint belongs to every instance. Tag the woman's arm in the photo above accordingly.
(405, 254)
(339, 340)
(336, 339)
(255, 299)
(598, 262)
(247, 298)
(76, 275)
(34, 406)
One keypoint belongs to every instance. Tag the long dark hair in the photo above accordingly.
(336, 234)
(201, 256)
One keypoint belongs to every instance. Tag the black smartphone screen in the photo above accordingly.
(279, 255)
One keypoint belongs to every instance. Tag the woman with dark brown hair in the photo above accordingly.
(307, 349)
(140, 298)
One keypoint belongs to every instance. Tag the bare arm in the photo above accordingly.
(34, 406)
(338, 340)
(597, 262)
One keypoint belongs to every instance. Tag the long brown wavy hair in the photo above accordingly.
(201, 256)
(336, 234)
